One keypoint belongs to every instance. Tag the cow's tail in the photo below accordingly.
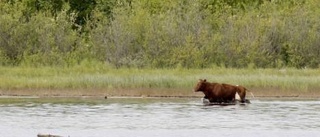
(250, 93)
(246, 90)
(246, 100)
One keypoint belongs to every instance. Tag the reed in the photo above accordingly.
(107, 78)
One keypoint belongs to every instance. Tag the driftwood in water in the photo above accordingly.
(47, 135)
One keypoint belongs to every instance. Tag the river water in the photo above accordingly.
(145, 117)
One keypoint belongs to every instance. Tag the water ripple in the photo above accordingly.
(147, 115)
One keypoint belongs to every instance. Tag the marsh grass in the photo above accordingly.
(109, 79)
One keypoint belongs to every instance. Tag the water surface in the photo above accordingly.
(145, 117)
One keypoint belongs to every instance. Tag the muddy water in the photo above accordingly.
(157, 118)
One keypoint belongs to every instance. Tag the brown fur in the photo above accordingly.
(216, 92)
(239, 89)
(242, 93)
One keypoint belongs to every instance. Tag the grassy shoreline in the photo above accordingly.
(106, 81)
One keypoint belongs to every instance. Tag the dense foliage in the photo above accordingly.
(161, 33)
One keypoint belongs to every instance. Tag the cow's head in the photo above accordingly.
(200, 85)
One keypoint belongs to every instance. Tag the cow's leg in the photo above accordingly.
(242, 94)
(206, 97)
(211, 100)
(220, 101)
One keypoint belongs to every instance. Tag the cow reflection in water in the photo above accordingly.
(221, 93)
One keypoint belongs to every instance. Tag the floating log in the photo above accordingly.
(47, 135)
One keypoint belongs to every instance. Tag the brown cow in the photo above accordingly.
(216, 92)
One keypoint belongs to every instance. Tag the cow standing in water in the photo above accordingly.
(218, 93)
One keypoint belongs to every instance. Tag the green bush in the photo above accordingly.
(161, 33)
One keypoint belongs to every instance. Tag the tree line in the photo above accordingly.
(161, 33)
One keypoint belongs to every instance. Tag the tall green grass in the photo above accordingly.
(101, 77)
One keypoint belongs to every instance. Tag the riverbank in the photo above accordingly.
(100, 81)
(147, 93)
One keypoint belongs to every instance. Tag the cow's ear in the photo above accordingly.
(205, 80)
